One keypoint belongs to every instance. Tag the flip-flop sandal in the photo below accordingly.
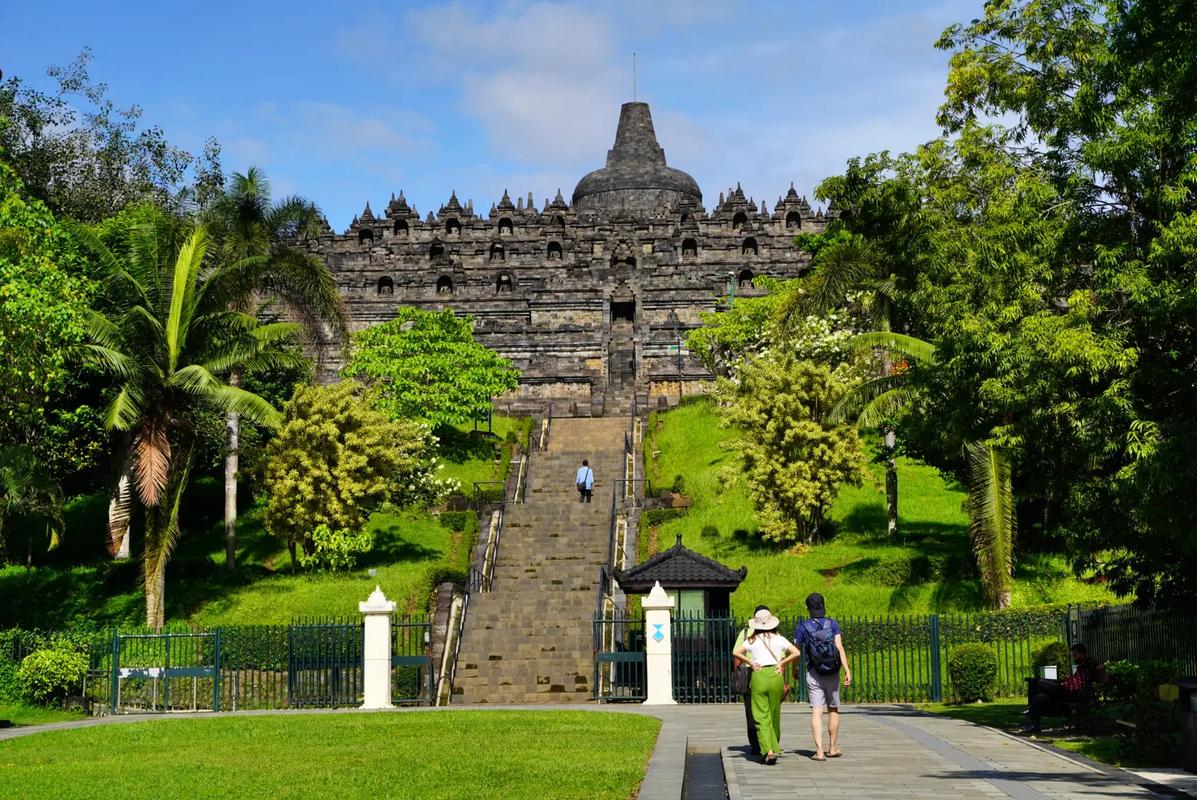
(818, 758)
(835, 754)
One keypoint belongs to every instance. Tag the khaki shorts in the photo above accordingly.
(823, 690)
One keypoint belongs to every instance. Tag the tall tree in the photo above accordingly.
(426, 365)
(245, 223)
(872, 249)
(795, 457)
(165, 331)
(87, 159)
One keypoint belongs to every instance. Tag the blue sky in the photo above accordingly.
(347, 103)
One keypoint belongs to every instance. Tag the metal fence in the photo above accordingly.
(894, 659)
(311, 663)
(1116, 633)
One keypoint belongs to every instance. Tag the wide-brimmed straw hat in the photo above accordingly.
(763, 621)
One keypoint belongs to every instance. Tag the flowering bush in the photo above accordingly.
(337, 550)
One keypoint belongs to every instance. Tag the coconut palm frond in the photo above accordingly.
(838, 270)
(120, 511)
(909, 346)
(151, 460)
(992, 524)
(860, 397)
(125, 409)
(247, 404)
(884, 407)
(184, 277)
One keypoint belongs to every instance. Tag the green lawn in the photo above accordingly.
(468, 456)
(444, 755)
(410, 548)
(1007, 715)
(928, 567)
(20, 714)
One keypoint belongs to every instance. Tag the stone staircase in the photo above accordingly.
(529, 640)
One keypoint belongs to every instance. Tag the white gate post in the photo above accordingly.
(658, 647)
(376, 653)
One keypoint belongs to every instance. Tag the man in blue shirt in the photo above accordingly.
(823, 653)
(585, 482)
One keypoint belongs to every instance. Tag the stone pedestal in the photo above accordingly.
(376, 654)
(658, 647)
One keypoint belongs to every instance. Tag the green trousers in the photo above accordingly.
(766, 707)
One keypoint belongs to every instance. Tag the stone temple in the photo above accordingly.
(591, 298)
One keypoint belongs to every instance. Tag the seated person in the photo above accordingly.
(1043, 693)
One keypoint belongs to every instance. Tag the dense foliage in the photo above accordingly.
(426, 365)
(972, 671)
(166, 334)
(87, 159)
(794, 459)
(336, 459)
(51, 674)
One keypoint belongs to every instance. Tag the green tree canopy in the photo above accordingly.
(87, 159)
(795, 459)
(426, 365)
(337, 459)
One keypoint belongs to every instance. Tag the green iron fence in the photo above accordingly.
(412, 673)
(619, 661)
(894, 659)
(1115, 633)
(311, 663)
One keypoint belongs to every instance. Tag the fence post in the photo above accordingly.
(376, 651)
(1072, 625)
(116, 670)
(936, 672)
(216, 671)
(658, 647)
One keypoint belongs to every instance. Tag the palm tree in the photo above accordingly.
(245, 224)
(165, 331)
(992, 521)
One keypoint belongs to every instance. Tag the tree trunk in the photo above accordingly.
(294, 558)
(120, 513)
(232, 441)
(891, 481)
(155, 596)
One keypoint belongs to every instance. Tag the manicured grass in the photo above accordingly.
(433, 756)
(406, 547)
(19, 714)
(928, 567)
(1003, 714)
(409, 549)
(468, 456)
(1007, 715)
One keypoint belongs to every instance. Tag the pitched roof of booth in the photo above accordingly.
(680, 568)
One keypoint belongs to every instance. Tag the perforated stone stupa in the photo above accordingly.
(591, 299)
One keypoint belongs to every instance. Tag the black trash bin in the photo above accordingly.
(1188, 723)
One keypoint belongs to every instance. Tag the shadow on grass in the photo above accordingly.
(458, 446)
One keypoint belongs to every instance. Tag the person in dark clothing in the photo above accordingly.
(1043, 693)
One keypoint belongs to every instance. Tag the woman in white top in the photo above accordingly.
(768, 653)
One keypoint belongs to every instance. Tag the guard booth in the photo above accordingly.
(704, 632)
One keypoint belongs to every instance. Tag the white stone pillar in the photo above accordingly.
(658, 647)
(376, 654)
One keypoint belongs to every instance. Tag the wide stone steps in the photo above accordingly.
(530, 640)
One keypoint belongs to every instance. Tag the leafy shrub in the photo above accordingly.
(509, 437)
(458, 520)
(710, 532)
(336, 550)
(900, 571)
(679, 485)
(653, 517)
(1139, 680)
(51, 674)
(972, 669)
(1053, 654)
(406, 683)
(445, 573)
(490, 494)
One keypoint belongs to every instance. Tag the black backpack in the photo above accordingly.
(819, 646)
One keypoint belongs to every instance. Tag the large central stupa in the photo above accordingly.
(636, 178)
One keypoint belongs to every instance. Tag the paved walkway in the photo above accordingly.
(889, 752)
